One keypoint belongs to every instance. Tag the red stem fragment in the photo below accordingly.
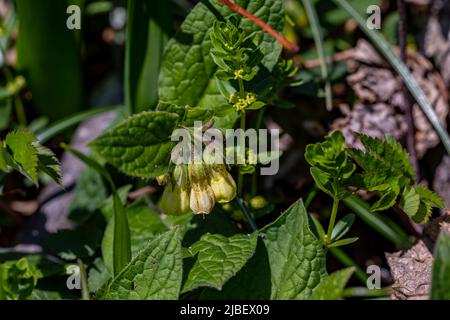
(293, 48)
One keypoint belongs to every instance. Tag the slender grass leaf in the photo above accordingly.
(122, 242)
(149, 29)
(318, 39)
(64, 124)
(440, 289)
(383, 225)
(49, 56)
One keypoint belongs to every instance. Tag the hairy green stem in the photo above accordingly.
(240, 184)
(332, 220)
(258, 125)
(240, 203)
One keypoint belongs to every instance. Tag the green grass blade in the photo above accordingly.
(149, 28)
(62, 125)
(122, 238)
(318, 39)
(412, 85)
(347, 261)
(48, 54)
(382, 225)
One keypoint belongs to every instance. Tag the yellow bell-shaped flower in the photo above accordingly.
(175, 199)
(222, 184)
(202, 199)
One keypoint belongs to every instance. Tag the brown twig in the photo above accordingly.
(293, 48)
(410, 140)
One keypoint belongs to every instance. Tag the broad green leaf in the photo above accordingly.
(49, 164)
(20, 144)
(428, 201)
(145, 225)
(252, 282)
(218, 259)
(332, 287)
(409, 201)
(139, 146)
(149, 28)
(296, 257)
(440, 289)
(154, 274)
(188, 69)
(98, 275)
(49, 55)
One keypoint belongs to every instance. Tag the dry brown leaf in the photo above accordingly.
(437, 38)
(380, 92)
(411, 271)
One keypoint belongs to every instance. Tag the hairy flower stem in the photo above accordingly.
(332, 221)
(240, 203)
(293, 48)
(259, 121)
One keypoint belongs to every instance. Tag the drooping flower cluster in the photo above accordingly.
(197, 187)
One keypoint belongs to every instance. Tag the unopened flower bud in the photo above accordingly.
(161, 180)
(222, 184)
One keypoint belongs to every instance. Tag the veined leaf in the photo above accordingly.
(154, 274)
(218, 259)
(332, 287)
(246, 285)
(428, 201)
(20, 144)
(49, 164)
(296, 257)
(139, 146)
